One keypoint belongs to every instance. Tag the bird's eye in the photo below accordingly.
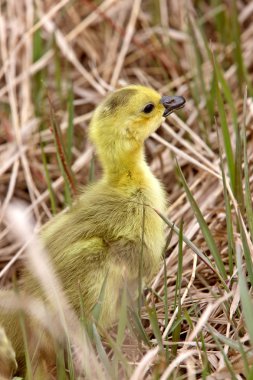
(148, 108)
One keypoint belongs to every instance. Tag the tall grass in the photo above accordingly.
(195, 319)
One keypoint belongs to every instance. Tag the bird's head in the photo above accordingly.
(129, 115)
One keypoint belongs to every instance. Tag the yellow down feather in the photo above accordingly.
(102, 236)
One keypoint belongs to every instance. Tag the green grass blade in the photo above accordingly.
(122, 319)
(219, 78)
(38, 88)
(233, 344)
(248, 195)
(225, 357)
(60, 364)
(221, 20)
(120, 358)
(198, 57)
(229, 225)
(96, 311)
(121, 328)
(177, 301)
(187, 241)
(155, 325)
(246, 251)
(239, 172)
(180, 266)
(238, 56)
(205, 367)
(204, 228)
(224, 129)
(71, 370)
(140, 275)
(246, 297)
(138, 328)
(202, 88)
(229, 220)
(26, 346)
(70, 129)
(227, 93)
(191, 245)
(57, 68)
(166, 307)
(250, 374)
(101, 352)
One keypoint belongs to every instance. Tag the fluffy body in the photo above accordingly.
(102, 235)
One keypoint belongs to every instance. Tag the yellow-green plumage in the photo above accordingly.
(102, 234)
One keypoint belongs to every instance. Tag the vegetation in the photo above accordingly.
(58, 60)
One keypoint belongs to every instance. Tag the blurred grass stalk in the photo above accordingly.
(67, 324)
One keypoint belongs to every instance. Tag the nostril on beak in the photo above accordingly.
(172, 103)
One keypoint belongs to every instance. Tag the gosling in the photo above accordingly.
(103, 234)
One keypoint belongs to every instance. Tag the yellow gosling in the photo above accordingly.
(102, 235)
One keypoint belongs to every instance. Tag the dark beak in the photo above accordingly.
(172, 103)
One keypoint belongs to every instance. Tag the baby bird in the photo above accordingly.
(100, 239)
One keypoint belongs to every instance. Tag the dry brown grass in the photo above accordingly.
(97, 46)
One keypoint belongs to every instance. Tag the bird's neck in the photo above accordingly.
(125, 169)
